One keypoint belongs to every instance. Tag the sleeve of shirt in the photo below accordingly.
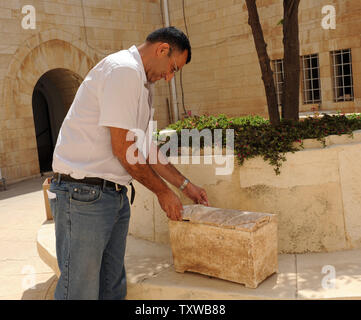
(119, 99)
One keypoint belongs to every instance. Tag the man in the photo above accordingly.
(91, 166)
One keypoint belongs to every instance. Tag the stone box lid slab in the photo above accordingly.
(225, 218)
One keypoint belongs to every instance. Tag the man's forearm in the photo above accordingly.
(145, 174)
(167, 171)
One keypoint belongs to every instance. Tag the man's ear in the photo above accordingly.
(163, 49)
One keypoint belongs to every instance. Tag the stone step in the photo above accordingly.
(151, 275)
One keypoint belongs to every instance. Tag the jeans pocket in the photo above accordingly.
(85, 195)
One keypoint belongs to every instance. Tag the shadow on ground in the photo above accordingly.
(43, 291)
(24, 187)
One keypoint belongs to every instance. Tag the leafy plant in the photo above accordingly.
(255, 136)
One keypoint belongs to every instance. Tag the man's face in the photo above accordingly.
(163, 66)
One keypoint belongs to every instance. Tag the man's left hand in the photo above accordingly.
(197, 194)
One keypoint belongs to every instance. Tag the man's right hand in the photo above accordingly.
(171, 204)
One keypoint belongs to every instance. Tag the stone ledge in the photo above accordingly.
(150, 274)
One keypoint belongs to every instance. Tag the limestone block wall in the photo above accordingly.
(224, 75)
(316, 197)
(71, 35)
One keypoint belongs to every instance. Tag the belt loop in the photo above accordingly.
(104, 184)
(58, 179)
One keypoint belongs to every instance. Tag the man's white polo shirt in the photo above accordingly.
(113, 94)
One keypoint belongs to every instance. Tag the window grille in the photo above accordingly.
(342, 75)
(279, 77)
(311, 79)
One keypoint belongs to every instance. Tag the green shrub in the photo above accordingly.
(255, 136)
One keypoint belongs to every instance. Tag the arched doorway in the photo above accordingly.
(52, 97)
(46, 51)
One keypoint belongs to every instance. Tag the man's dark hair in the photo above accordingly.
(174, 37)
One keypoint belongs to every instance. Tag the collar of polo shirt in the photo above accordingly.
(135, 52)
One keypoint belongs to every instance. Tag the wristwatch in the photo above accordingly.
(186, 181)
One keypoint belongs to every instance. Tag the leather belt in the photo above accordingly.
(94, 181)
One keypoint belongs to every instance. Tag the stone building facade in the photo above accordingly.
(225, 77)
(41, 68)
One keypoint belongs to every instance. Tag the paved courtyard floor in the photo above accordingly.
(23, 275)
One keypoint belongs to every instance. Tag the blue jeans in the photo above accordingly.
(91, 226)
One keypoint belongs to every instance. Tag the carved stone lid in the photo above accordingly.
(225, 218)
